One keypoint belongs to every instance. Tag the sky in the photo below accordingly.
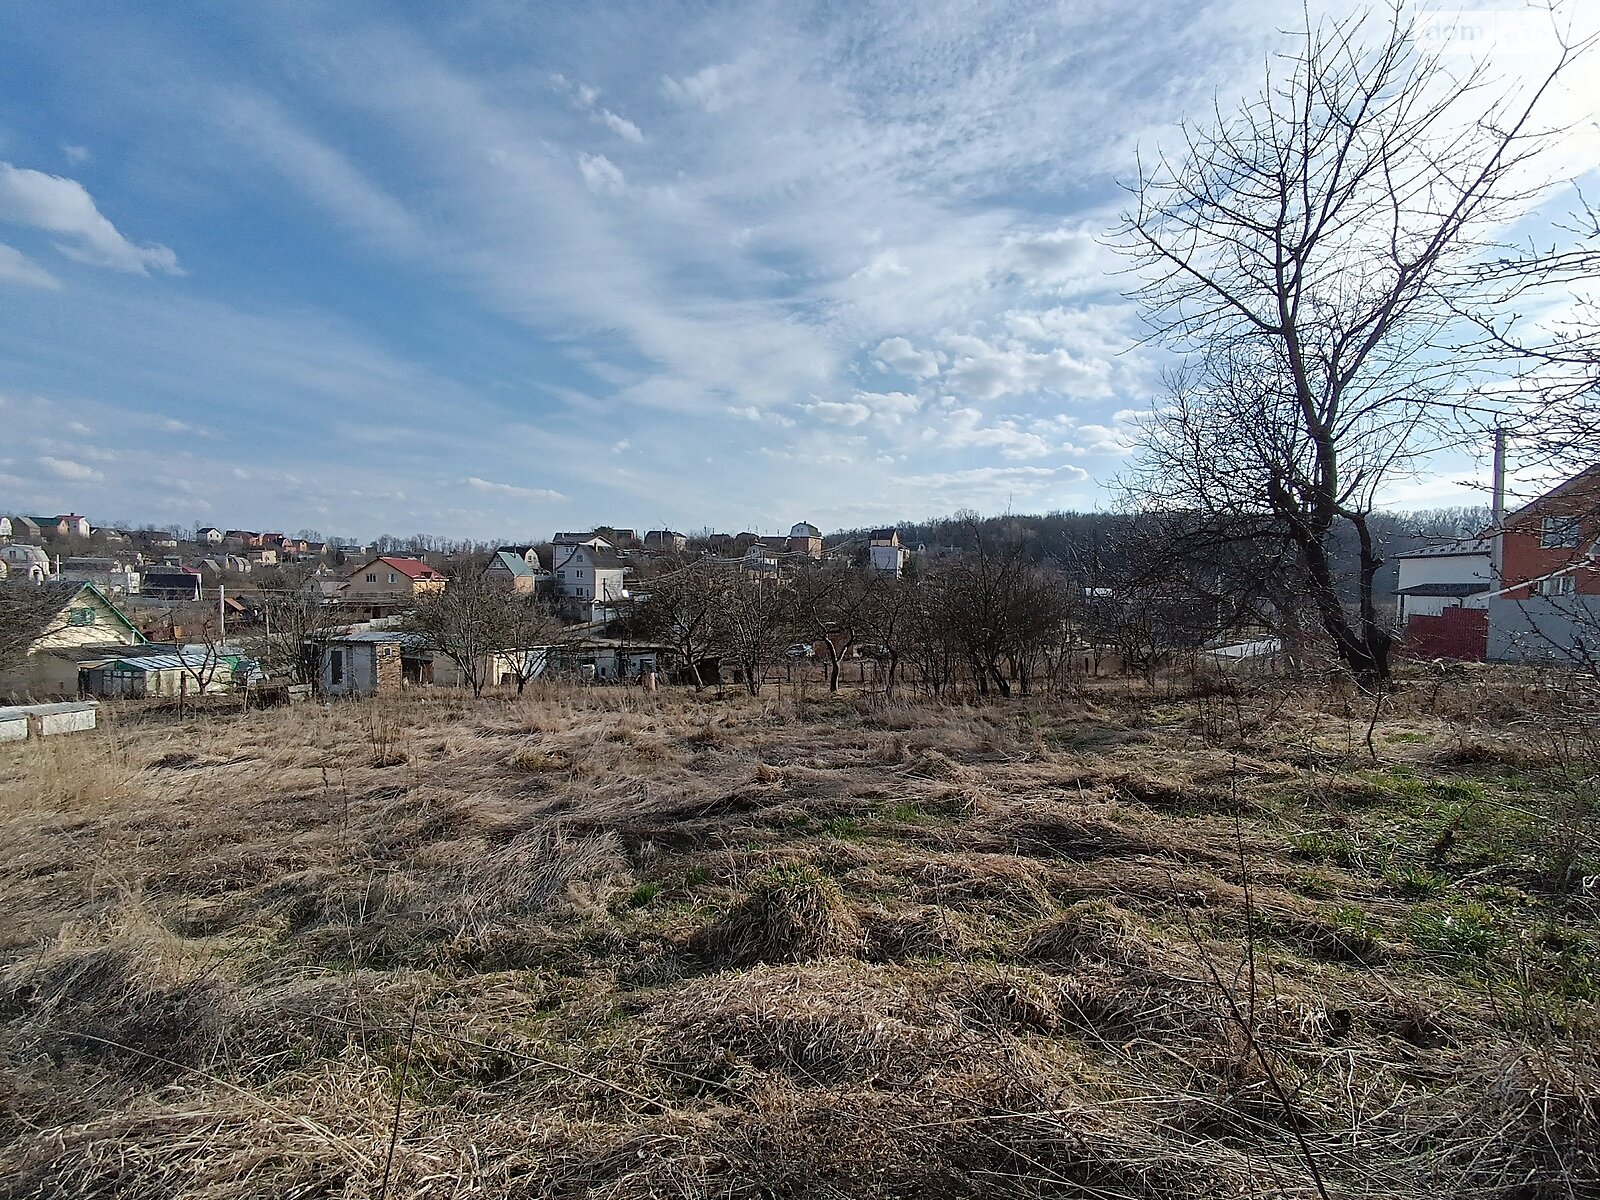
(493, 269)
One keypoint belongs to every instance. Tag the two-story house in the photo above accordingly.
(588, 578)
(805, 539)
(26, 562)
(389, 581)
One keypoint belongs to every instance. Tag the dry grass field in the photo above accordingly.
(1157, 943)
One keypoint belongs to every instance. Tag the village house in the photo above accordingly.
(69, 622)
(71, 525)
(111, 576)
(885, 554)
(516, 572)
(26, 527)
(1443, 597)
(389, 582)
(242, 537)
(666, 541)
(1547, 604)
(528, 554)
(371, 662)
(26, 562)
(589, 578)
(5, 527)
(597, 540)
(262, 556)
(175, 584)
(210, 535)
(805, 539)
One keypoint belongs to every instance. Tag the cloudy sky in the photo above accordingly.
(499, 268)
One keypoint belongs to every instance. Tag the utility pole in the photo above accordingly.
(1497, 507)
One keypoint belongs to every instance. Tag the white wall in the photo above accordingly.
(1442, 568)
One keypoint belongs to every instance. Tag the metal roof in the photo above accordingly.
(1465, 546)
(1446, 589)
(516, 564)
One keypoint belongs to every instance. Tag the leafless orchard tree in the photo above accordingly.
(1310, 258)
(683, 610)
(831, 606)
(294, 615)
(756, 625)
(533, 630)
(470, 621)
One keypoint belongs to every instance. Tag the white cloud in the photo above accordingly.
(621, 126)
(839, 412)
(66, 468)
(705, 87)
(602, 175)
(963, 429)
(16, 267)
(62, 206)
(509, 489)
(898, 354)
(986, 372)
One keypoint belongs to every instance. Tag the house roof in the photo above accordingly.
(516, 564)
(604, 557)
(1445, 589)
(409, 567)
(1465, 546)
(805, 529)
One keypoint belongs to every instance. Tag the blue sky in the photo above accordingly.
(494, 269)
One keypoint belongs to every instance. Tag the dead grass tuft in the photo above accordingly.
(792, 914)
(1091, 933)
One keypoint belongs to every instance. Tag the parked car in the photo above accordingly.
(799, 650)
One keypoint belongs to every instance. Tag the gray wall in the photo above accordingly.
(1564, 629)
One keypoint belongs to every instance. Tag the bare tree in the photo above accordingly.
(831, 603)
(1310, 257)
(683, 610)
(294, 616)
(757, 622)
(533, 631)
(470, 622)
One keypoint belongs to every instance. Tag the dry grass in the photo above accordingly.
(1168, 941)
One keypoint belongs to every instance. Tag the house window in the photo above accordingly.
(335, 667)
(81, 616)
(1557, 533)
(372, 578)
(1559, 585)
(391, 576)
(561, 574)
